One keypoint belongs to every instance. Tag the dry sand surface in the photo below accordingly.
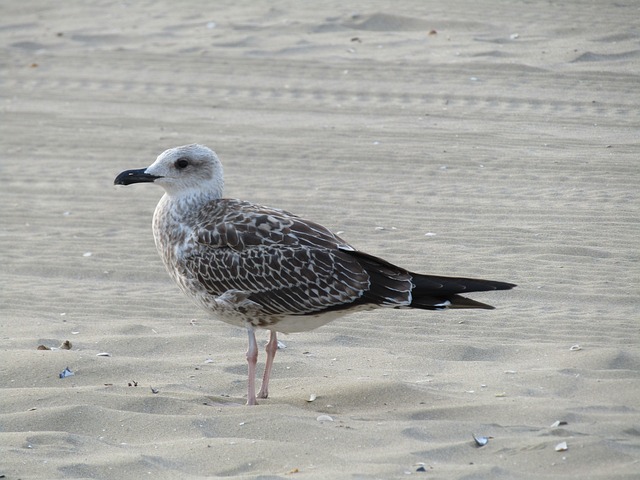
(491, 139)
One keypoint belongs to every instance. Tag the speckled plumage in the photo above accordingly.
(260, 267)
(282, 265)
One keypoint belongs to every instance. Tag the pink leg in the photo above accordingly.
(252, 359)
(272, 348)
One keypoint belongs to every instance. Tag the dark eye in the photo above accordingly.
(182, 163)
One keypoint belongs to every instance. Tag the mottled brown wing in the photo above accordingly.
(289, 265)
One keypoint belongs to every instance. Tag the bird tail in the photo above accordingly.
(394, 286)
(435, 293)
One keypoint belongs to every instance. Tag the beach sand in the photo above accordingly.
(488, 139)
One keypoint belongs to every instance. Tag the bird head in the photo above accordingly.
(186, 170)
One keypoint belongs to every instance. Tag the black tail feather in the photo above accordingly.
(429, 292)
(444, 292)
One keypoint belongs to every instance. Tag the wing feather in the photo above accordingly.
(290, 266)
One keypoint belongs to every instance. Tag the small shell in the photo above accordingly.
(324, 418)
(561, 447)
(575, 348)
(66, 373)
(312, 397)
(103, 354)
(558, 423)
(480, 441)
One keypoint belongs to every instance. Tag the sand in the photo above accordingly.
(490, 139)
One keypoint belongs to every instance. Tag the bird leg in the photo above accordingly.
(271, 349)
(252, 359)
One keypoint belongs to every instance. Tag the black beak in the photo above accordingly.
(134, 176)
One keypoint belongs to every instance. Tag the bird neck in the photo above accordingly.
(193, 192)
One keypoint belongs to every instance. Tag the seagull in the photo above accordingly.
(259, 267)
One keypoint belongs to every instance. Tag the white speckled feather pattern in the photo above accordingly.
(286, 265)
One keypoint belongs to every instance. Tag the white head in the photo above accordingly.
(187, 170)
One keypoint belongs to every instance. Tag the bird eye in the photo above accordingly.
(182, 163)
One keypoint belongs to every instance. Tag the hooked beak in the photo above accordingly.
(134, 176)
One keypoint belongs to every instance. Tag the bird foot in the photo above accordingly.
(262, 394)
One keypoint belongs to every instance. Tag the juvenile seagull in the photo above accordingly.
(260, 267)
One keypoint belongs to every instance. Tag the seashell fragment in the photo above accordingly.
(312, 397)
(324, 418)
(561, 447)
(103, 354)
(558, 423)
(480, 441)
